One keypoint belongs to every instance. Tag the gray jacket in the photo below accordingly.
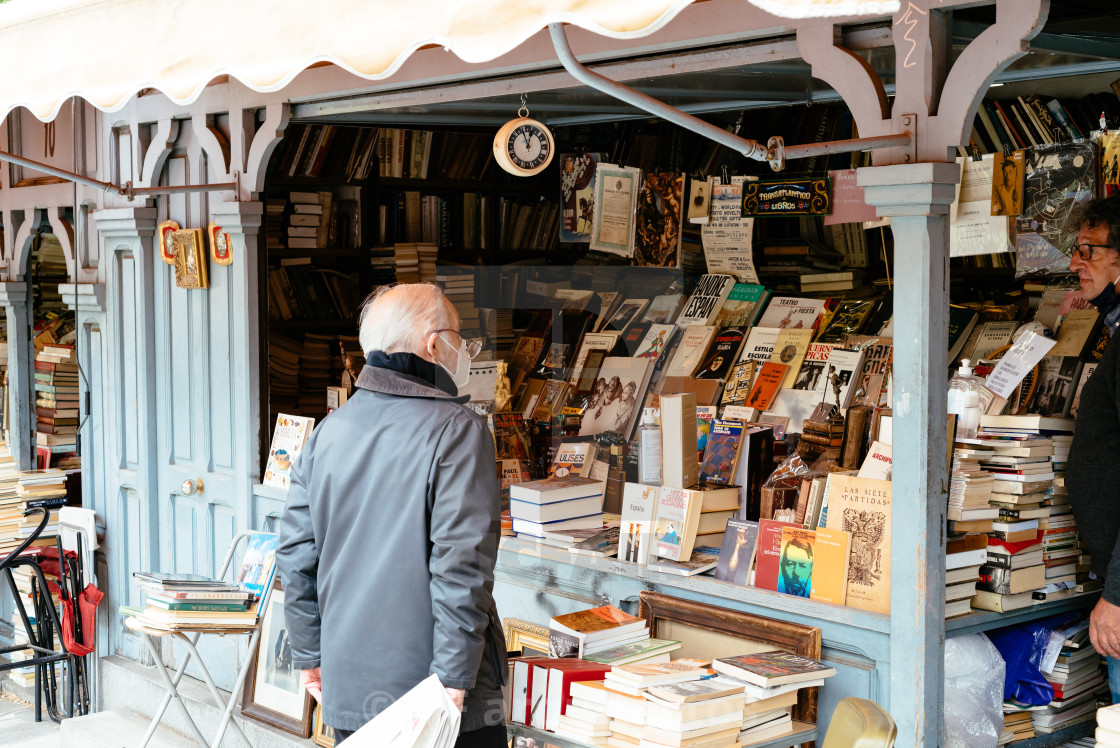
(387, 550)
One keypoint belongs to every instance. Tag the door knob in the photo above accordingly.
(191, 487)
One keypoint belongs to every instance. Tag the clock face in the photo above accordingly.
(523, 147)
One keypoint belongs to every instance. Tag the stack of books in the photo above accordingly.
(556, 505)
(308, 220)
(275, 234)
(588, 632)
(11, 504)
(283, 372)
(56, 400)
(970, 490)
(426, 254)
(383, 266)
(190, 601)
(1017, 725)
(41, 489)
(315, 374)
(458, 285)
(1013, 570)
(25, 676)
(407, 263)
(963, 558)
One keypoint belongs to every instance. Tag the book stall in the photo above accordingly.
(700, 367)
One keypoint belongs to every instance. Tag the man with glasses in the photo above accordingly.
(389, 537)
(1093, 474)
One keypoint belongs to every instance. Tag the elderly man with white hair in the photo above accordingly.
(388, 541)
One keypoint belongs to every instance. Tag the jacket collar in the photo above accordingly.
(398, 383)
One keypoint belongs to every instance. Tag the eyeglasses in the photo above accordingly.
(473, 346)
(1085, 251)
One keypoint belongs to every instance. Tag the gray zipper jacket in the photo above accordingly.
(387, 551)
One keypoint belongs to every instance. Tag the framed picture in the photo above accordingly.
(272, 690)
(709, 632)
(530, 639)
(323, 734)
(190, 258)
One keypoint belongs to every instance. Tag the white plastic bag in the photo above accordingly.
(974, 672)
(425, 717)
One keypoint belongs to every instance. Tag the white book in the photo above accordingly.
(639, 512)
(288, 440)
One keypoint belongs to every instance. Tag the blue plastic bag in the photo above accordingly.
(1022, 648)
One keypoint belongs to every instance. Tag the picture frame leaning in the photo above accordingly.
(272, 692)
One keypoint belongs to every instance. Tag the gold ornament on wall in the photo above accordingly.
(221, 249)
(190, 258)
(166, 249)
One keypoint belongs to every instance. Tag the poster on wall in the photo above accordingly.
(616, 194)
(727, 235)
(787, 197)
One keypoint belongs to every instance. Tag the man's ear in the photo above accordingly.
(430, 347)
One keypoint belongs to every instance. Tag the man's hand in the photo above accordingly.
(313, 682)
(457, 695)
(1104, 628)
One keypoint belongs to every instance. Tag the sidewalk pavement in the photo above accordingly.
(19, 728)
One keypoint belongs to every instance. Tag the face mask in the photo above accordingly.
(461, 374)
(1107, 299)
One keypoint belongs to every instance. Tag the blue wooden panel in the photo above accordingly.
(180, 353)
(223, 526)
(131, 318)
(221, 369)
(133, 511)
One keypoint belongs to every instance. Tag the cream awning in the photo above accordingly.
(105, 51)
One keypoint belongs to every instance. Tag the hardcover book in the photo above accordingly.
(790, 349)
(639, 512)
(767, 383)
(693, 344)
(722, 452)
(737, 553)
(288, 440)
(862, 507)
(742, 306)
(813, 367)
(770, 669)
(760, 344)
(792, 312)
(706, 300)
(768, 553)
(721, 354)
(674, 529)
(679, 465)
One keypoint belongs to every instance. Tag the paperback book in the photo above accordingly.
(288, 440)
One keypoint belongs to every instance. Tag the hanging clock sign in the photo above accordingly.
(523, 146)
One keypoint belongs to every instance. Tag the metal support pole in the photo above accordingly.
(127, 190)
(774, 152)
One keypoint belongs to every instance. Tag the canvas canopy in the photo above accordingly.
(106, 51)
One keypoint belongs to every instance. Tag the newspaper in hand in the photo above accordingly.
(425, 717)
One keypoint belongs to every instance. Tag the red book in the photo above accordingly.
(768, 553)
(1015, 547)
(1007, 122)
(561, 675)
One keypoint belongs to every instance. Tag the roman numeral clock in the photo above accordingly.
(523, 146)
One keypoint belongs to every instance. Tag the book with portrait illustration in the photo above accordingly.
(737, 553)
(639, 513)
(721, 453)
(828, 556)
(674, 530)
(768, 553)
(288, 440)
(722, 354)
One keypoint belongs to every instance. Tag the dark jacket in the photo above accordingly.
(387, 551)
(1093, 474)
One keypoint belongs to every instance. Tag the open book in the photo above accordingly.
(425, 717)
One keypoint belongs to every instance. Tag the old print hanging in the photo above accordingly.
(785, 197)
(163, 234)
(221, 250)
(657, 226)
(1058, 178)
(190, 258)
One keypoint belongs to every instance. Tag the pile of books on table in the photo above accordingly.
(556, 505)
(587, 632)
(191, 601)
(40, 489)
(729, 702)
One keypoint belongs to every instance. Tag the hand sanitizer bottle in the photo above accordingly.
(964, 400)
(649, 449)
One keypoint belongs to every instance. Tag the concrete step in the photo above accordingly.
(118, 728)
(128, 686)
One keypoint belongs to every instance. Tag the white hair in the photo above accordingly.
(399, 318)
